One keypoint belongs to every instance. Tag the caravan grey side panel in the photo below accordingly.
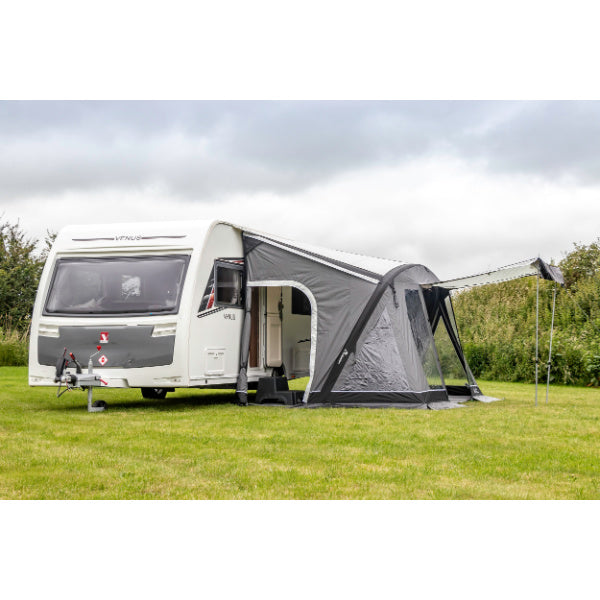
(127, 348)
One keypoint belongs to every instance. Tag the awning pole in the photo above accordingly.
(550, 351)
(537, 337)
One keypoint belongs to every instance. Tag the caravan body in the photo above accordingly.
(163, 300)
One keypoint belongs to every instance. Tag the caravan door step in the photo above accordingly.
(276, 390)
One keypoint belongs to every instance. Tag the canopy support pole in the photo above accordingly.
(550, 350)
(242, 380)
(537, 337)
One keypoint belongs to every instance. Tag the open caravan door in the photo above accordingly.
(443, 323)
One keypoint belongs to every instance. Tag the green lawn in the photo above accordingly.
(197, 445)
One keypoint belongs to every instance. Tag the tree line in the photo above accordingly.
(21, 264)
(496, 322)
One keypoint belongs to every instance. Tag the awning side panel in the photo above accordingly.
(387, 357)
(339, 296)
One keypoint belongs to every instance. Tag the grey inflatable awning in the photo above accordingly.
(526, 268)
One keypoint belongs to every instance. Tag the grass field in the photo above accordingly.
(197, 445)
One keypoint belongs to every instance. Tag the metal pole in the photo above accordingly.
(550, 351)
(537, 337)
(91, 407)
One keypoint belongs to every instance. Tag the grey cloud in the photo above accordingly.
(551, 140)
(205, 150)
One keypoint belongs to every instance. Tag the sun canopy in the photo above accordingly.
(526, 268)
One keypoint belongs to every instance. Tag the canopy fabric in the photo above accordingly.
(526, 268)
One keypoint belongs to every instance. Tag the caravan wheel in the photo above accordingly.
(154, 393)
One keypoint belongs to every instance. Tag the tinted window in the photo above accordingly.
(228, 285)
(123, 285)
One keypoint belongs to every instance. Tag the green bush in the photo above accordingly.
(479, 357)
(592, 369)
(14, 348)
(20, 269)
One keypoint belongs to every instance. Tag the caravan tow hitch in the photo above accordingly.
(85, 381)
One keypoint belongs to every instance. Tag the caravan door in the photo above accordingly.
(215, 330)
(273, 345)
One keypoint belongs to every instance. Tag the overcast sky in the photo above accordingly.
(459, 186)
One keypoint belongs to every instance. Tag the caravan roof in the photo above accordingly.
(191, 234)
(168, 234)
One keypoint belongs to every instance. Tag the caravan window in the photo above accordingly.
(117, 285)
(229, 284)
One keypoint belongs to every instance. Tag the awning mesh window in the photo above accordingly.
(422, 337)
(452, 368)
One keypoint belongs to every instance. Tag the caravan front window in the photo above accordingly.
(139, 285)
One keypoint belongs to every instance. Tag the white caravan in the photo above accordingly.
(163, 303)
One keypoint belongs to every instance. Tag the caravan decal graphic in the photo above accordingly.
(130, 238)
(210, 312)
(208, 299)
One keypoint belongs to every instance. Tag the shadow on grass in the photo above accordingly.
(173, 403)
